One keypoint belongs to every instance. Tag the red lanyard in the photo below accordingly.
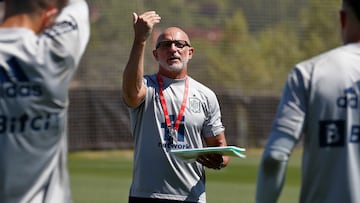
(165, 109)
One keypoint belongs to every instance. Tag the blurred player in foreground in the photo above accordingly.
(169, 110)
(41, 42)
(2, 10)
(321, 101)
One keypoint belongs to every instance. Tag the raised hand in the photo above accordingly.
(144, 24)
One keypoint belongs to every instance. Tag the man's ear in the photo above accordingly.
(48, 17)
(155, 54)
(191, 52)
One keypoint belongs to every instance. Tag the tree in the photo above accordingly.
(111, 38)
(319, 27)
(261, 40)
(253, 62)
(259, 61)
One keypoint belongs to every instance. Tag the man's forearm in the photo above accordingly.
(133, 74)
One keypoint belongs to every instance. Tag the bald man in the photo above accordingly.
(169, 110)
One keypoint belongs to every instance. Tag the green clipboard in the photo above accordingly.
(192, 154)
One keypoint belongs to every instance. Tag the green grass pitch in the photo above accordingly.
(105, 176)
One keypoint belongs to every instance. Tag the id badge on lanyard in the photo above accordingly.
(172, 130)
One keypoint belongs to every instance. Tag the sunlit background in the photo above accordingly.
(244, 50)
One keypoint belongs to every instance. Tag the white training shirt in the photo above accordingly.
(157, 173)
(35, 74)
(321, 101)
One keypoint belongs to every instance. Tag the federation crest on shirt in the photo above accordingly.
(195, 104)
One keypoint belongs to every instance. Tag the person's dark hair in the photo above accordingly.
(355, 5)
(15, 7)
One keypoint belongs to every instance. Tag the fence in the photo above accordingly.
(98, 119)
(243, 51)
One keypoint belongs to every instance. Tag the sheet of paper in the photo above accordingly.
(192, 154)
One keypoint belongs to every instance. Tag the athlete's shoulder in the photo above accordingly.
(74, 17)
(70, 33)
(150, 80)
(201, 88)
(330, 56)
(196, 84)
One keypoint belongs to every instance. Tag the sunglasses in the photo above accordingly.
(178, 44)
